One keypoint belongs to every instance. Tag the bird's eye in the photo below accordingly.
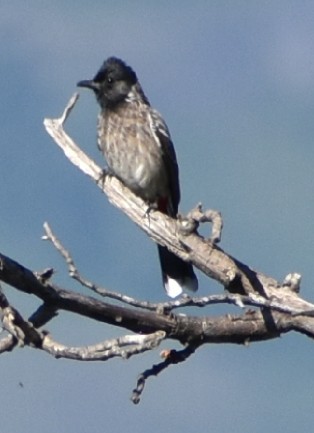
(109, 80)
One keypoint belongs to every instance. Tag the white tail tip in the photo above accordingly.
(173, 288)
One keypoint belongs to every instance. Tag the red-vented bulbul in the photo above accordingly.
(138, 149)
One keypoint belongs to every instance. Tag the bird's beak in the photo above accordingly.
(90, 84)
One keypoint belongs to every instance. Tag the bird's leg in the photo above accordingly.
(104, 173)
(152, 206)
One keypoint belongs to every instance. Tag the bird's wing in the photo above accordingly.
(163, 138)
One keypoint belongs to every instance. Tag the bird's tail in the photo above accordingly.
(177, 274)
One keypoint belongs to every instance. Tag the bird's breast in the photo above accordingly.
(133, 153)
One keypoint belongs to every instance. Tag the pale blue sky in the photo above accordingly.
(235, 82)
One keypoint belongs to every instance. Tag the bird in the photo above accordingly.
(137, 146)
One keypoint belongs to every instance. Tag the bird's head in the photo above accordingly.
(112, 83)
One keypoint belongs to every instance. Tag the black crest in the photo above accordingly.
(114, 69)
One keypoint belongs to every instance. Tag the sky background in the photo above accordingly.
(235, 82)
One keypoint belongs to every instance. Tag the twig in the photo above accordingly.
(75, 274)
(196, 216)
(43, 315)
(171, 357)
(54, 127)
(68, 108)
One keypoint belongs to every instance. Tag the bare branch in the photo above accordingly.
(124, 347)
(24, 333)
(233, 329)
